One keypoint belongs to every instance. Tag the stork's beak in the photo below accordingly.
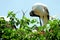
(33, 14)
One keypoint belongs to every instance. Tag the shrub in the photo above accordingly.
(8, 30)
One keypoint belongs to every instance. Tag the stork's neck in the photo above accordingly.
(45, 20)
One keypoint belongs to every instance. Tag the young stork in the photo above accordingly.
(40, 10)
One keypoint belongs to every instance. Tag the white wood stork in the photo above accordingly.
(40, 10)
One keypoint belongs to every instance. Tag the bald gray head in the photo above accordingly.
(40, 10)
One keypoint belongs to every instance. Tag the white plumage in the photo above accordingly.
(5, 18)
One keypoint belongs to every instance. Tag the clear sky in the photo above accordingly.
(18, 5)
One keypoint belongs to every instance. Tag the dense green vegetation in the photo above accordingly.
(50, 31)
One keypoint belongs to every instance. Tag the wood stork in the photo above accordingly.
(40, 10)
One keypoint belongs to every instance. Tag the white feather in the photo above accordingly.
(40, 4)
(7, 19)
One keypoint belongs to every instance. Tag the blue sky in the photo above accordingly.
(18, 5)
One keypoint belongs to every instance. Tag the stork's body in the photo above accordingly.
(40, 10)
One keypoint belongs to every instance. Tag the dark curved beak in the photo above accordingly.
(33, 14)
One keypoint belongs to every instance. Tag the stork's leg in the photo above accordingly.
(40, 22)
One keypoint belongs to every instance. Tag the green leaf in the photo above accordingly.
(33, 21)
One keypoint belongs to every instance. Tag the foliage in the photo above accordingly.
(8, 30)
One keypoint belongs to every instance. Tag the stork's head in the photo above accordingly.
(40, 10)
